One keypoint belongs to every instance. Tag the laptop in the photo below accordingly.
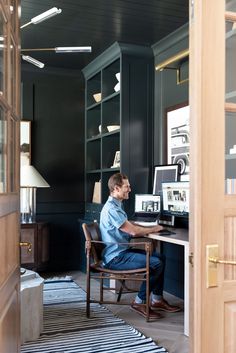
(147, 208)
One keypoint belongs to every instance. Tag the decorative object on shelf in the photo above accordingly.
(25, 145)
(116, 163)
(117, 86)
(97, 192)
(100, 128)
(97, 97)
(178, 138)
(40, 18)
(30, 180)
(118, 76)
(111, 128)
(232, 150)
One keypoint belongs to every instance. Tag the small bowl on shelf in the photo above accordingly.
(118, 76)
(97, 97)
(117, 87)
(111, 128)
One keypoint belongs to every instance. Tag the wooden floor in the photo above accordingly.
(167, 332)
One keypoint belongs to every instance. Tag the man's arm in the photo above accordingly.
(135, 230)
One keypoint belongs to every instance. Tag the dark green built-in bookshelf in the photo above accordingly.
(130, 109)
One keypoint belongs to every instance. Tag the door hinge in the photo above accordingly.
(190, 259)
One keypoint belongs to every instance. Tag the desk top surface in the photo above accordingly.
(180, 237)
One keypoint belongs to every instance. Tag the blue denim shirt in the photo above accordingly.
(111, 219)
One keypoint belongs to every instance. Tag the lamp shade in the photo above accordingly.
(30, 177)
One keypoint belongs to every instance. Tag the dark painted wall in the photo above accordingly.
(169, 94)
(54, 101)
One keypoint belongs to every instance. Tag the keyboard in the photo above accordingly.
(165, 231)
(146, 224)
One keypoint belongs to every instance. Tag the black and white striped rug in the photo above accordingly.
(67, 330)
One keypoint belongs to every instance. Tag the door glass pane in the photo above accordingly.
(13, 12)
(12, 156)
(230, 62)
(230, 5)
(230, 98)
(2, 54)
(13, 75)
(3, 134)
(230, 153)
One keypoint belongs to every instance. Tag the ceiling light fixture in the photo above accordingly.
(33, 61)
(62, 49)
(73, 49)
(43, 16)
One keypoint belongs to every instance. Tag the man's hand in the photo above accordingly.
(136, 230)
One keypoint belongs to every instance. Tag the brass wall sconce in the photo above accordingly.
(178, 57)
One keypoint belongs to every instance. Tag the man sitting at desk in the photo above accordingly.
(115, 228)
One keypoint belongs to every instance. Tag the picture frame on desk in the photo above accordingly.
(178, 140)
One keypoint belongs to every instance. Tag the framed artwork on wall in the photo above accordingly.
(25, 142)
(178, 141)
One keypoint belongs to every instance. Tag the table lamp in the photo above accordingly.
(30, 180)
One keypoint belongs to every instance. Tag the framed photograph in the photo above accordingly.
(25, 142)
(116, 163)
(178, 141)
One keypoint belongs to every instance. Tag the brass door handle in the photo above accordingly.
(212, 268)
(26, 243)
(216, 260)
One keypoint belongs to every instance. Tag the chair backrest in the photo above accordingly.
(92, 232)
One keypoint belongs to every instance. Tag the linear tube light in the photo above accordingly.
(43, 16)
(62, 49)
(33, 61)
(73, 49)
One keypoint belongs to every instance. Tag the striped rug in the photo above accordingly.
(67, 330)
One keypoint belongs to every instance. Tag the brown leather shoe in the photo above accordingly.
(141, 309)
(165, 306)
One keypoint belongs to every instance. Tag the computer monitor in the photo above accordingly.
(176, 198)
(164, 173)
(147, 204)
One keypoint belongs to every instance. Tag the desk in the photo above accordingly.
(180, 238)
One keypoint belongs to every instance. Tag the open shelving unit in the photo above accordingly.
(128, 110)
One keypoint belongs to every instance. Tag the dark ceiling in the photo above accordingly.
(97, 23)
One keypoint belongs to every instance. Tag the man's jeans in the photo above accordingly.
(136, 258)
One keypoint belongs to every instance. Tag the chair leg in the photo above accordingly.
(122, 283)
(147, 288)
(88, 279)
(147, 299)
(88, 296)
(101, 289)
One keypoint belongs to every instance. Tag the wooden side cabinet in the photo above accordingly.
(37, 234)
